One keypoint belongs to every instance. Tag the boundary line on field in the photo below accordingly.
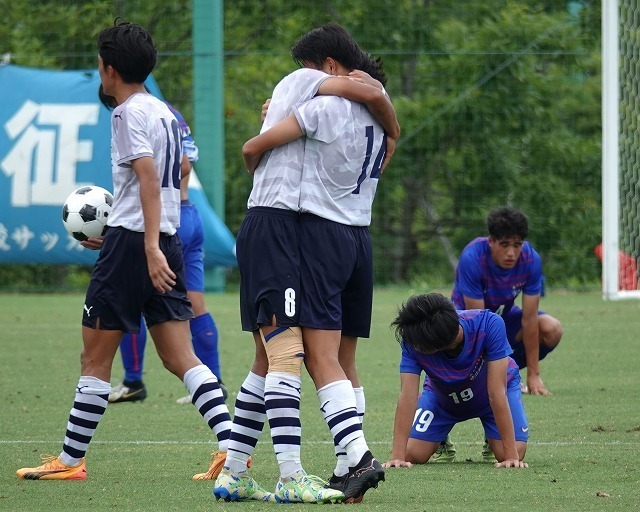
(195, 443)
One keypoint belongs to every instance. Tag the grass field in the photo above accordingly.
(584, 449)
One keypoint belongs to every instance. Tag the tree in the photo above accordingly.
(498, 103)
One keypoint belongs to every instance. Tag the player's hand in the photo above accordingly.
(161, 275)
(251, 163)
(265, 107)
(364, 78)
(397, 463)
(391, 149)
(93, 243)
(535, 386)
(511, 463)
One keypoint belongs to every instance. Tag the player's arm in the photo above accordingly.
(185, 173)
(497, 390)
(365, 78)
(531, 340)
(161, 275)
(405, 412)
(281, 133)
(375, 100)
(469, 280)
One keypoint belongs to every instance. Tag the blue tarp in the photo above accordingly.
(54, 138)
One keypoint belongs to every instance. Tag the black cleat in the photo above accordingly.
(367, 474)
(126, 393)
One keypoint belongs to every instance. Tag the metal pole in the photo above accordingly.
(208, 98)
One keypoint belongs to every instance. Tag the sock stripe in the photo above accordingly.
(285, 422)
(91, 408)
(345, 432)
(335, 419)
(206, 387)
(257, 407)
(242, 439)
(75, 436)
(282, 403)
(253, 424)
(83, 422)
(73, 452)
(291, 440)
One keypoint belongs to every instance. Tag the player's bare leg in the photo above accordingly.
(338, 406)
(496, 448)
(90, 404)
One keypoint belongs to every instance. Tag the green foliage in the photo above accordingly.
(499, 102)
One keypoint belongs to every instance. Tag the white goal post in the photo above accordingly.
(620, 148)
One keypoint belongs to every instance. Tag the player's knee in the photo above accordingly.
(550, 331)
(419, 453)
(285, 351)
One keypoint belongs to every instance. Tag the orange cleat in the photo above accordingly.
(53, 469)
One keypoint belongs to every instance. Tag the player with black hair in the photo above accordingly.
(140, 268)
(492, 272)
(344, 155)
(270, 294)
(469, 374)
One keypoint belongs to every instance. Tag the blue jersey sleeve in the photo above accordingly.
(189, 147)
(496, 342)
(469, 273)
(408, 363)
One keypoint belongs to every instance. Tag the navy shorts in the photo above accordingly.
(268, 253)
(337, 276)
(120, 287)
(513, 325)
(191, 235)
(433, 423)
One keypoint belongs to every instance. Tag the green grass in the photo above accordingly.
(583, 453)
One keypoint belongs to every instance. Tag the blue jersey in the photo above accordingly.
(460, 384)
(189, 147)
(478, 277)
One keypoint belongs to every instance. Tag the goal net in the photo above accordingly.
(620, 250)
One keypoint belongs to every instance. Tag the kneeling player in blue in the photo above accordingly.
(465, 355)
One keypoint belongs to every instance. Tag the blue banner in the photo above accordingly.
(54, 138)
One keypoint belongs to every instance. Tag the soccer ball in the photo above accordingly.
(85, 212)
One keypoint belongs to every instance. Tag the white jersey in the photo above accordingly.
(276, 181)
(345, 148)
(144, 126)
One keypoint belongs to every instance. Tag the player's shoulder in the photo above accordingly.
(475, 249)
(473, 320)
(529, 249)
(301, 76)
(529, 255)
(306, 73)
(333, 107)
(142, 104)
(480, 242)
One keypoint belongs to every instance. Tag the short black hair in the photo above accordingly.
(129, 49)
(507, 222)
(333, 40)
(428, 322)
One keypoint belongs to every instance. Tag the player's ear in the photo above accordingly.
(329, 66)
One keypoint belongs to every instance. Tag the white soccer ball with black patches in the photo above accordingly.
(85, 212)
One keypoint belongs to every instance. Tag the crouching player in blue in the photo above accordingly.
(465, 355)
